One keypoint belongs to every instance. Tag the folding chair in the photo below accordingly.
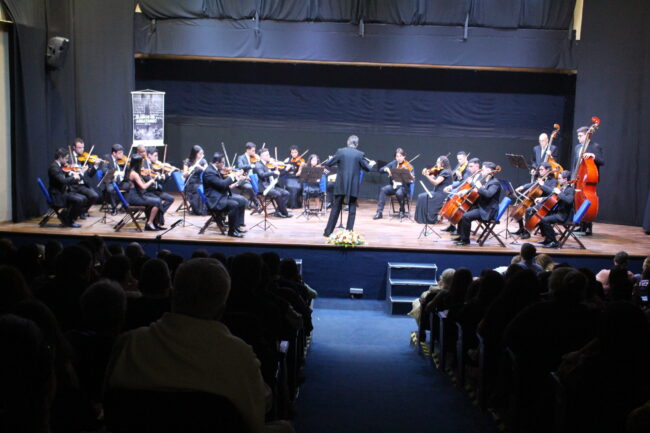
(488, 226)
(264, 200)
(179, 181)
(566, 230)
(52, 209)
(216, 216)
(131, 213)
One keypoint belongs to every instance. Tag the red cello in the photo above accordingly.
(464, 198)
(586, 176)
(545, 209)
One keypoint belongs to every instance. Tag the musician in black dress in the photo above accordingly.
(159, 177)
(473, 167)
(546, 184)
(350, 162)
(115, 169)
(246, 162)
(193, 167)
(139, 195)
(88, 171)
(486, 206)
(310, 190)
(562, 213)
(593, 150)
(60, 184)
(290, 179)
(427, 208)
(399, 190)
(265, 176)
(219, 196)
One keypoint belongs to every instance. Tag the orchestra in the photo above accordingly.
(454, 197)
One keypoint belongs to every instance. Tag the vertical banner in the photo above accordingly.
(148, 117)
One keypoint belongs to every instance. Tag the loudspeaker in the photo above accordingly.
(57, 47)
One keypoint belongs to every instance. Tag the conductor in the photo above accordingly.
(349, 161)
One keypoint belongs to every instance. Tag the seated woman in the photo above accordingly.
(139, 196)
(311, 189)
(427, 208)
(193, 166)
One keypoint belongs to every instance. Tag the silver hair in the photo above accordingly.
(353, 141)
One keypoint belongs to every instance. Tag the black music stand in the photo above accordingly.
(107, 181)
(265, 224)
(403, 176)
(426, 230)
(310, 175)
(518, 161)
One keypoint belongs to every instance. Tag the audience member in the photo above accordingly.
(455, 296)
(118, 269)
(621, 260)
(190, 349)
(200, 253)
(13, 290)
(528, 252)
(545, 261)
(155, 286)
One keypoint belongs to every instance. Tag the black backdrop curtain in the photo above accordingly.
(613, 83)
(87, 97)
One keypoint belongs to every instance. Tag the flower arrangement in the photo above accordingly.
(346, 238)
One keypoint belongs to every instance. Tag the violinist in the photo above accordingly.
(547, 183)
(542, 151)
(473, 167)
(311, 189)
(139, 195)
(399, 190)
(427, 208)
(60, 184)
(193, 167)
(114, 166)
(487, 205)
(291, 183)
(461, 167)
(265, 175)
(159, 177)
(87, 172)
(247, 162)
(218, 193)
(593, 150)
(561, 213)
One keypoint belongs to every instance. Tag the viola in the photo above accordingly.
(587, 178)
(464, 198)
(546, 208)
(407, 165)
(433, 171)
(89, 158)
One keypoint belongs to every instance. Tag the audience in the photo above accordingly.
(528, 252)
(621, 260)
(155, 286)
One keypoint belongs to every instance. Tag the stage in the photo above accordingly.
(333, 269)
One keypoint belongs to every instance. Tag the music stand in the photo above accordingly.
(265, 224)
(107, 181)
(310, 175)
(518, 161)
(425, 230)
(402, 176)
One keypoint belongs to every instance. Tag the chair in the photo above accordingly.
(265, 201)
(566, 230)
(308, 206)
(179, 181)
(52, 210)
(216, 216)
(488, 226)
(131, 213)
(170, 411)
(394, 204)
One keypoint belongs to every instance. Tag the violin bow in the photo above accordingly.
(165, 154)
(223, 147)
(89, 153)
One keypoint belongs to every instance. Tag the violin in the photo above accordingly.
(407, 165)
(228, 171)
(86, 157)
(276, 165)
(164, 167)
(123, 160)
(433, 171)
(71, 168)
(255, 158)
(298, 161)
(460, 168)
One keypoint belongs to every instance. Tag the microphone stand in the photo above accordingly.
(172, 227)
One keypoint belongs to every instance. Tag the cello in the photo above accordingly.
(586, 176)
(533, 192)
(464, 198)
(546, 208)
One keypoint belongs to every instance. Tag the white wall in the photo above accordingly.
(5, 127)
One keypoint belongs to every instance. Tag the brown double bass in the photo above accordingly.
(545, 208)
(464, 198)
(555, 166)
(586, 176)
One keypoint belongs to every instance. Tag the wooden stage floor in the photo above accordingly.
(386, 234)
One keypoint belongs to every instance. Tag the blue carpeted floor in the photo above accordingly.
(363, 376)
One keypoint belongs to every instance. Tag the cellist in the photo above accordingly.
(487, 205)
(473, 167)
(546, 184)
(593, 150)
(562, 212)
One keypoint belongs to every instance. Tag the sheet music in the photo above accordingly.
(274, 181)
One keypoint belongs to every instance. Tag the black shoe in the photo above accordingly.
(449, 229)
(72, 224)
(279, 215)
(402, 215)
(241, 230)
(544, 242)
(457, 238)
(235, 234)
(461, 243)
(288, 215)
(150, 228)
(552, 245)
(588, 232)
(82, 216)
(378, 216)
(515, 233)
(114, 211)
(160, 227)
(524, 235)
(329, 206)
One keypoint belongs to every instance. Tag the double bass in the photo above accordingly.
(586, 176)
(555, 166)
(464, 198)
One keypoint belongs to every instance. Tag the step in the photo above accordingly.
(401, 305)
(410, 282)
(402, 265)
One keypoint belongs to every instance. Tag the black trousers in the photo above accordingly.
(336, 211)
(281, 196)
(546, 226)
(236, 208)
(465, 225)
(89, 193)
(74, 204)
(246, 190)
(388, 190)
(294, 187)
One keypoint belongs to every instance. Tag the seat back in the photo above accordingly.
(254, 182)
(179, 181)
(323, 183)
(502, 207)
(100, 174)
(577, 217)
(46, 193)
(120, 195)
(202, 193)
(167, 411)
(411, 189)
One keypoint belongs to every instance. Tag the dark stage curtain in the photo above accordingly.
(174, 8)
(613, 84)
(446, 12)
(547, 14)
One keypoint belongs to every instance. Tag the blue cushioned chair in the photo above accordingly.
(488, 226)
(566, 230)
(131, 213)
(216, 216)
(52, 210)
